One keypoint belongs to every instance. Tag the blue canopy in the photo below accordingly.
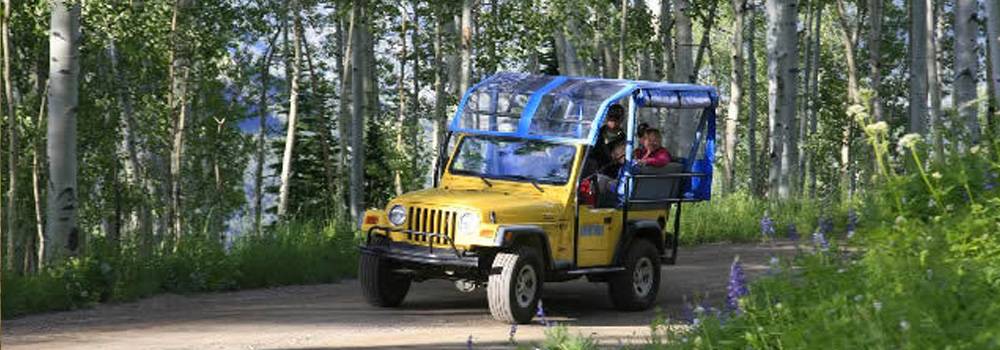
(563, 109)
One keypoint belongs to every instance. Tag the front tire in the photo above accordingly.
(381, 286)
(514, 291)
(635, 289)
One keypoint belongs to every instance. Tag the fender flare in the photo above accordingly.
(638, 229)
(508, 235)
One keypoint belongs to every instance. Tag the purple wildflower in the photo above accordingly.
(541, 314)
(513, 331)
(468, 343)
(852, 222)
(767, 226)
(819, 240)
(737, 287)
(793, 232)
(992, 183)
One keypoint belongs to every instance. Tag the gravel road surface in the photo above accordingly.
(434, 316)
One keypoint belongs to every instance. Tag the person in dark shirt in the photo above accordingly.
(610, 133)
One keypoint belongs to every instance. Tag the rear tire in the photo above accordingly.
(381, 286)
(636, 288)
(514, 291)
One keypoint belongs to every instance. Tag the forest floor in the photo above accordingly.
(434, 316)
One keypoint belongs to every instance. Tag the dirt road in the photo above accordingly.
(434, 316)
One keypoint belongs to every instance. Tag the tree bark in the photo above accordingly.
(439, 98)
(814, 94)
(918, 66)
(413, 120)
(782, 86)
(666, 23)
(36, 190)
(265, 78)
(293, 108)
(993, 43)
(755, 177)
(401, 113)
(935, 34)
(346, 42)
(62, 236)
(875, 54)
(358, 76)
(178, 74)
(683, 73)
(966, 67)
(736, 94)
(849, 39)
(466, 46)
(12, 136)
(621, 39)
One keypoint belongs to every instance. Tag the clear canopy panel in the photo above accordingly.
(569, 109)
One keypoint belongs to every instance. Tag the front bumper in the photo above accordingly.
(418, 254)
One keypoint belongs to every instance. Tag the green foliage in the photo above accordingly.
(308, 252)
(736, 218)
(924, 272)
(559, 338)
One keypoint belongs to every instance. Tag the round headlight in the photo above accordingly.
(468, 223)
(397, 215)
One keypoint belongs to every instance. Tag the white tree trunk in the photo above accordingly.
(735, 93)
(918, 67)
(774, 120)
(345, 40)
(966, 66)
(814, 94)
(755, 177)
(685, 124)
(993, 42)
(358, 76)
(935, 34)
(465, 45)
(621, 39)
(402, 95)
(875, 52)
(788, 76)
(290, 126)
(262, 109)
(179, 73)
(849, 39)
(666, 21)
(439, 98)
(12, 126)
(62, 236)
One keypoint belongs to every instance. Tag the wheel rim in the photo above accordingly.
(642, 277)
(527, 284)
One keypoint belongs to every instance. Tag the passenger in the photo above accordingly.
(640, 134)
(653, 153)
(610, 133)
(607, 179)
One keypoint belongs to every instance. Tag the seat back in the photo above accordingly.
(656, 188)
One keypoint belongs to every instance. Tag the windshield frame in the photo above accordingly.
(519, 179)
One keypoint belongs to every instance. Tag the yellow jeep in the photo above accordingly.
(515, 202)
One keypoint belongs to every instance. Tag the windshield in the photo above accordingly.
(514, 159)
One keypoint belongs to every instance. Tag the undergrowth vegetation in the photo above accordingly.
(922, 270)
(293, 253)
(736, 218)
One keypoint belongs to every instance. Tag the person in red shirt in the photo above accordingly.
(653, 153)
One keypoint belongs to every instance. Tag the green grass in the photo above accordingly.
(736, 218)
(294, 253)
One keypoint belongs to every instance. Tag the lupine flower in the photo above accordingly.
(737, 287)
(819, 240)
(773, 265)
(541, 314)
(468, 343)
(992, 183)
(767, 226)
(793, 232)
(852, 222)
(513, 331)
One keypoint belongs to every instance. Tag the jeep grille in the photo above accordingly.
(427, 220)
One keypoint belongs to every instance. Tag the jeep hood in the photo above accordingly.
(506, 205)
